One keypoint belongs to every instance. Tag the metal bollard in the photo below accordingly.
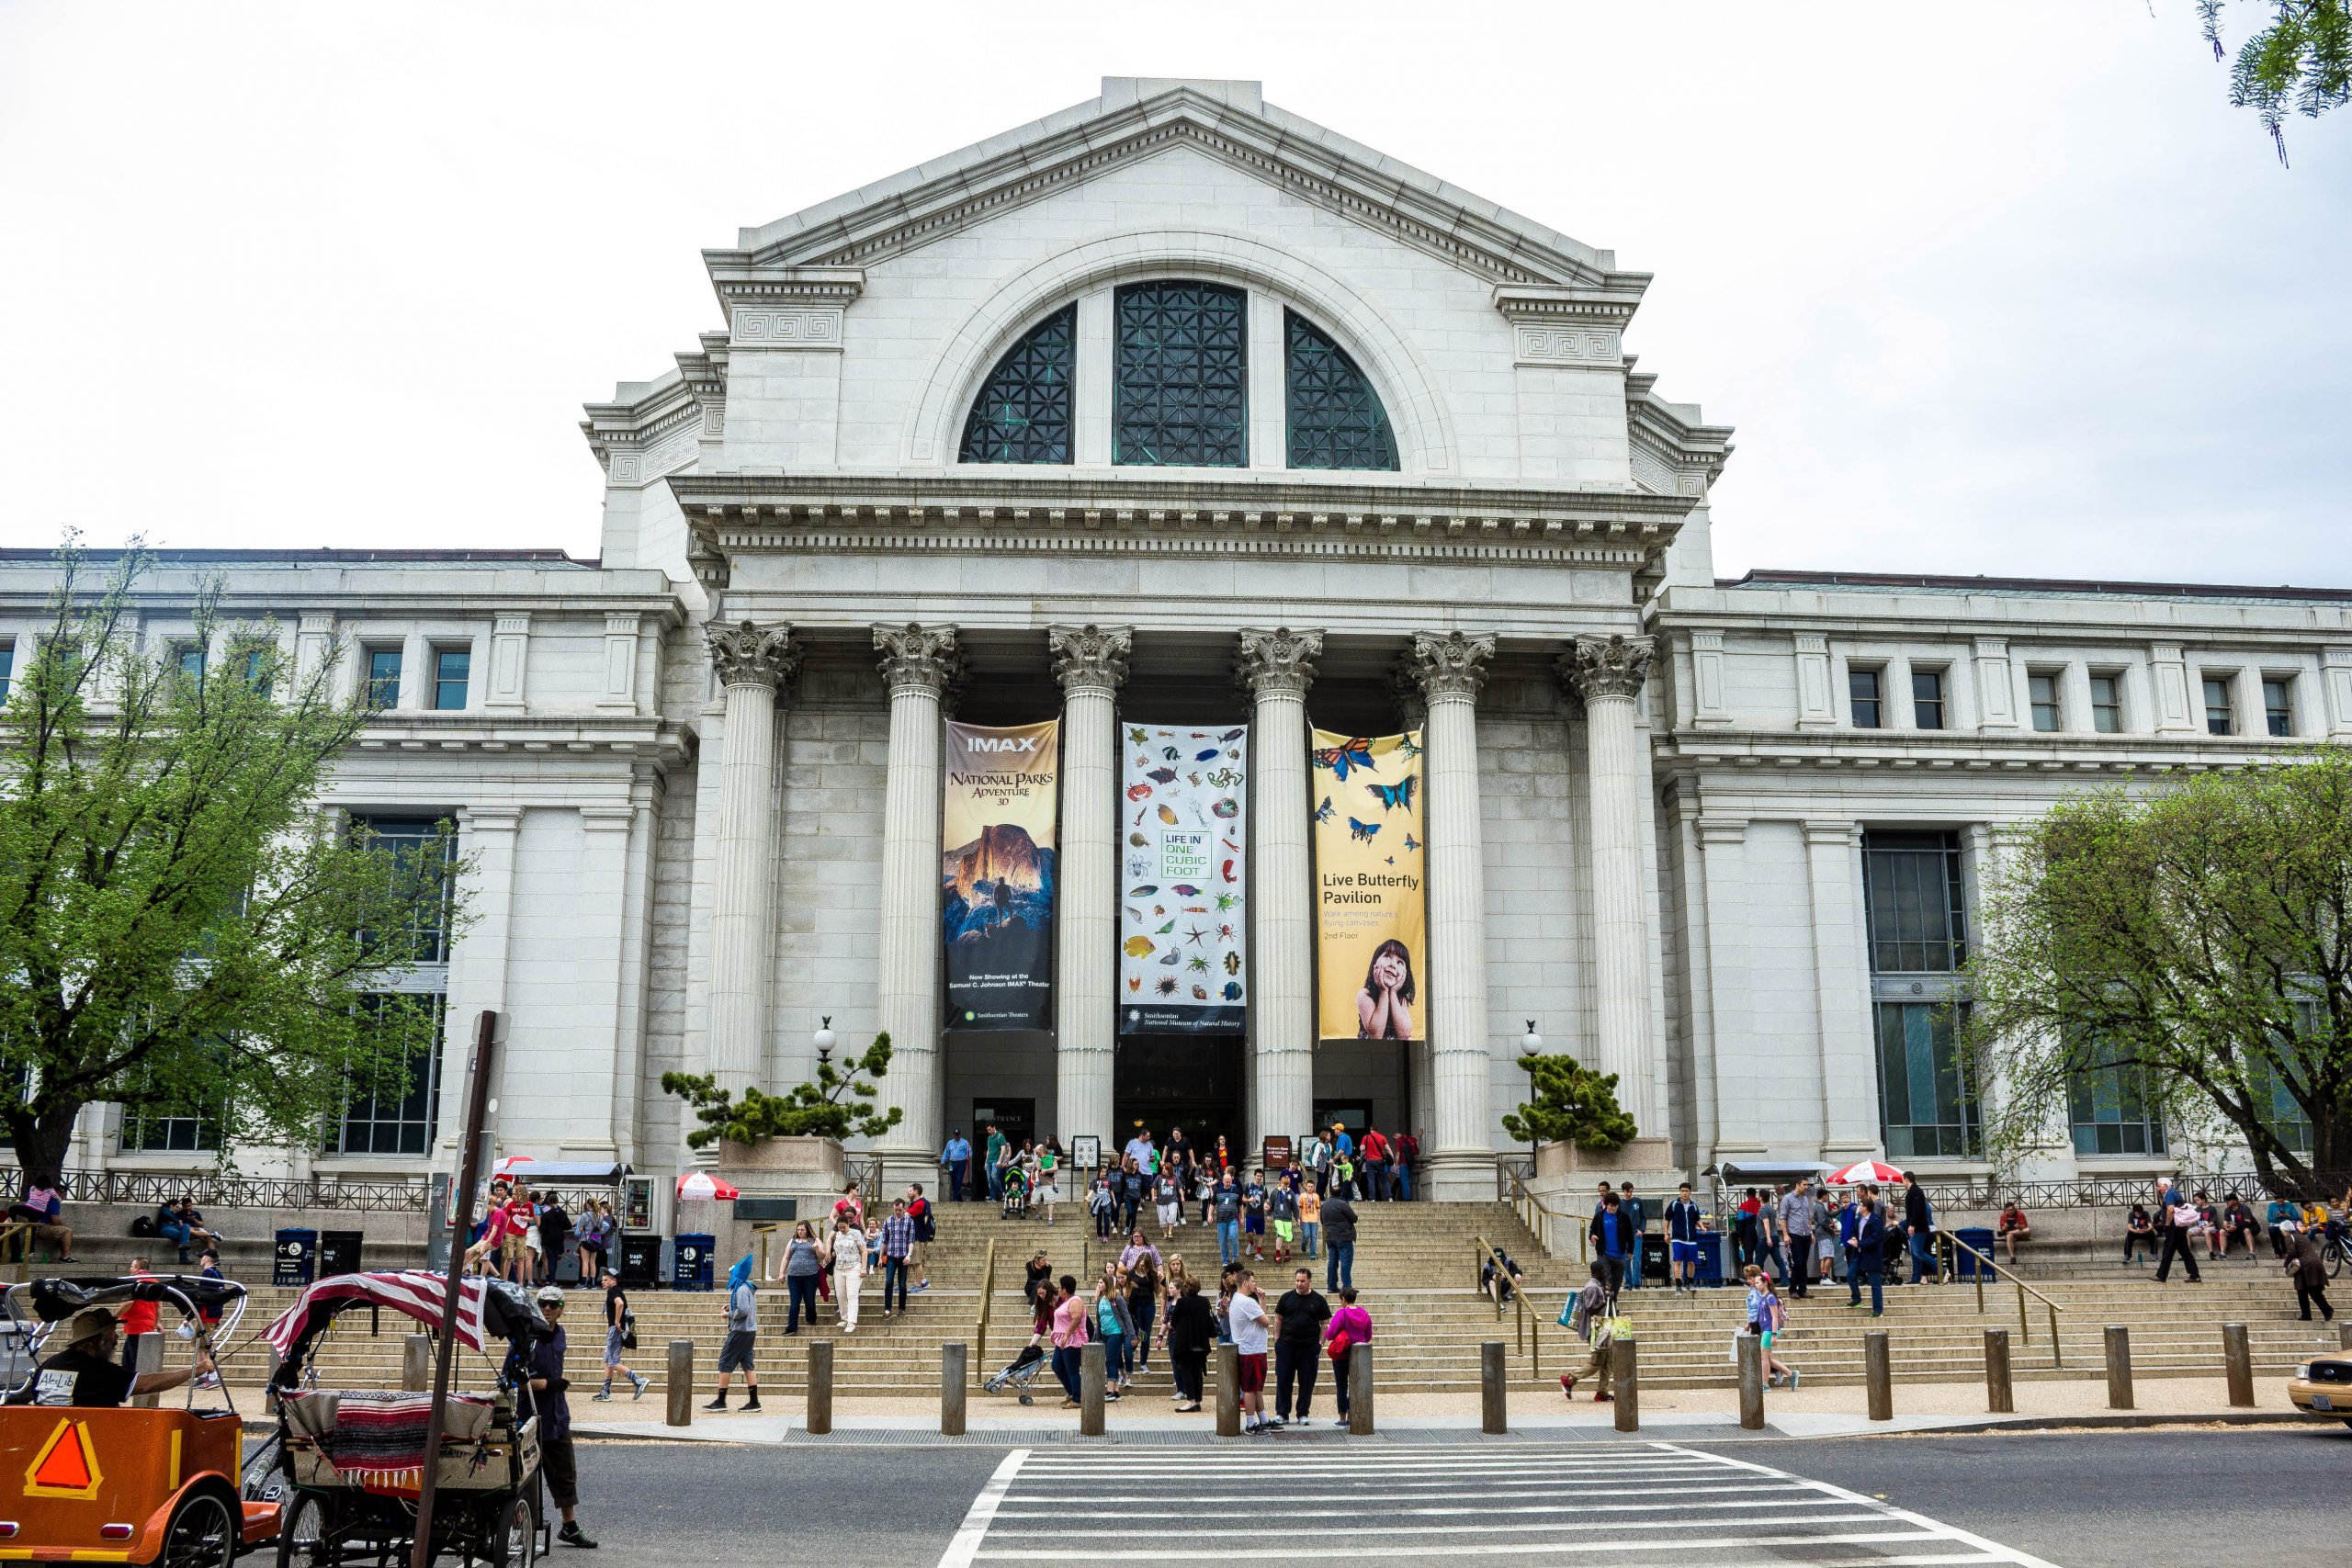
(1090, 1388)
(2343, 1333)
(952, 1378)
(416, 1363)
(679, 1383)
(1360, 1411)
(1625, 1383)
(151, 1360)
(821, 1387)
(1751, 1382)
(1228, 1391)
(1879, 1372)
(2119, 1366)
(1998, 1397)
(2239, 1359)
(1493, 1415)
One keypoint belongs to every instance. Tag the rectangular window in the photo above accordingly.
(395, 1113)
(1927, 699)
(383, 677)
(7, 667)
(160, 1128)
(415, 837)
(2219, 719)
(257, 670)
(2106, 703)
(1917, 921)
(1180, 392)
(190, 657)
(1924, 1105)
(2042, 691)
(451, 668)
(1862, 695)
(2110, 1114)
(2279, 705)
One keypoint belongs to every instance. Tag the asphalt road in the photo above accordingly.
(2084, 1499)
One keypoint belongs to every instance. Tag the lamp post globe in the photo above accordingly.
(825, 1040)
(1530, 1043)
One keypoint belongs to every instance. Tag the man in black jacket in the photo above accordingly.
(1338, 1240)
(1192, 1325)
(1919, 1227)
(1865, 1244)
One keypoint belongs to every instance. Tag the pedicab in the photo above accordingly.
(346, 1465)
(104, 1481)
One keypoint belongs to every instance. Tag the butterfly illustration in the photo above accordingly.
(1355, 753)
(1362, 831)
(1392, 860)
(1323, 812)
(1411, 843)
(1400, 794)
(1407, 747)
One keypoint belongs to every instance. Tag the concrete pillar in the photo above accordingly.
(1276, 667)
(1091, 1373)
(752, 661)
(1999, 1397)
(917, 665)
(151, 1360)
(1625, 1383)
(1450, 668)
(679, 1382)
(1360, 1385)
(1228, 1390)
(1091, 662)
(1607, 673)
(2237, 1359)
(1751, 1382)
(953, 1382)
(1878, 1372)
(1841, 981)
(416, 1363)
(1493, 1388)
(2119, 1366)
(820, 1398)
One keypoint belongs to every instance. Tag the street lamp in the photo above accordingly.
(1530, 1044)
(825, 1040)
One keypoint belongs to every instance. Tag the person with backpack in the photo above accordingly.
(2180, 1217)
(1767, 1314)
(926, 1224)
(1338, 1241)
(1580, 1316)
(620, 1335)
(1684, 1225)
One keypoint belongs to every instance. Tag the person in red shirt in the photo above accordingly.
(487, 1252)
(138, 1320)
(1374, 1150)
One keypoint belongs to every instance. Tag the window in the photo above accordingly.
(1022, 415)
(415, 839)
(1182, 389)
(2110, 1113)
(1335, 417)
(2106, 703)
(7, 667)
(2219, 719)
(189, 656)
(1862, 696)
(383, 677)
(257, 670)
(2042, 691)
(1926, 1109)
(395, 1113)
(1927, 699)
(1911, 883)
(2279, 705)
(451, 667)
(163, 1127)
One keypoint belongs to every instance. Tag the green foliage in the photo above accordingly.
(1573, 1104)
(2299, 62)
(839, 1103)
(2199, 937)
(182, 932)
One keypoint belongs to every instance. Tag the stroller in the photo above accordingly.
(1016, 1194)
(1016, 1377)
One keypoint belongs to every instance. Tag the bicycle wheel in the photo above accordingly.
(2333, 1255)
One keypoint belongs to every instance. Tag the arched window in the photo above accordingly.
(1181, 391)
(1022, 415)
(1335, 417)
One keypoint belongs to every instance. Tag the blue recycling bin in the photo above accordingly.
(295, 1259)
(1710, 1258)
(690, 1262)
(1965, 1267)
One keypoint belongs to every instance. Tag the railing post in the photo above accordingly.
(1625, 1383)
(821, 1387)
(2119, 1366)
(1878, 1370)
(1360, 1413)
(2238, 1358)
(2057, 1346)
(1998, 1397)
(679, 1383)
(151, 1360)
(1493, 1417)
(1228, 1388)
(1751, 1382)
(2344, 1333)
(953, 1379)
(1090, 1388)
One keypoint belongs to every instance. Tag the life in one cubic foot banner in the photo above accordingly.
(996, 875)
(1370, 933)
(1182, 960)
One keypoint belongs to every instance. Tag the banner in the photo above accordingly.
(996, 875)
(1183, 956)
(1369, 930)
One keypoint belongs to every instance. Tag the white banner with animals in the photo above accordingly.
(1184, 952)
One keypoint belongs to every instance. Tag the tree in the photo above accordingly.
(2300, 61)
(179, 931)
(1573, 1104)
(839, 1103)
(2197, 939)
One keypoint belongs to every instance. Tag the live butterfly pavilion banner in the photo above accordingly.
(1371, 935)
(1184, 958)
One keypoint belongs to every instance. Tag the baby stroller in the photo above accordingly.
(1016, 1194)
(1016, 1377)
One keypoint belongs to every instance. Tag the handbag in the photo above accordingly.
(628, 1328)
(1340, 1343)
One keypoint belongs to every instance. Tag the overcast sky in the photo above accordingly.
(1993, 287)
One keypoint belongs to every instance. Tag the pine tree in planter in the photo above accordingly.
(839, 1103)
(1572, 1105)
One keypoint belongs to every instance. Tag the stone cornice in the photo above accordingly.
(1450, 664)
(1276, 661)
(1612, 666)
(1090, 658)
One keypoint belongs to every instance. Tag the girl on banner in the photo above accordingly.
(1382, 1010)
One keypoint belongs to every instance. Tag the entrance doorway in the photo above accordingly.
(1179, 1080)
(1016, 1119)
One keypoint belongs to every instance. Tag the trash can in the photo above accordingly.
(1965, 1267)
(338, 1253)
(640, 1257)
(690, 1264)
(1711, 1257)
(296, 1259)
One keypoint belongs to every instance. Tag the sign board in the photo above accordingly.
(1276, 1153)
(1086, 1152)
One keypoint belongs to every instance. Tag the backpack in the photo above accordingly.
(628, 1328)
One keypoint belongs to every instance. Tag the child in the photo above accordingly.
(1100, 1202)
(1767, 1314)
(1253, 1216)
(1310, 1221)
(1281, 1208)
(1167, 1196)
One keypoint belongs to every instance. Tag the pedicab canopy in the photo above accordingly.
(486, 1308)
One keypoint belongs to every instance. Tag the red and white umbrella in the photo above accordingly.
(1862, 1171)
(511, 1164)
(702, 1184)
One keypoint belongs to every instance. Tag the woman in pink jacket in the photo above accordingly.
(1350, 1326)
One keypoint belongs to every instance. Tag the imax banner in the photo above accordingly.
(1369, 926)
(996, 875)
(1183, 960)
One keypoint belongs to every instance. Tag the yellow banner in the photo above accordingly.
(1370, 932)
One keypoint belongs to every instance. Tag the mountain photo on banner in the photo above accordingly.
(1370, 929)
(1182, 960)
(996, 875)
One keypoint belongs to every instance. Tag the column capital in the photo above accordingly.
(1277, 661)
(1838, 833)
(918, 658)
(1412, 703)
(1611, 666)
(490, 818)
(1090, 658)
(1450, 664)
(746, 653)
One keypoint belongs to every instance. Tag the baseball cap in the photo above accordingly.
(551, 1295)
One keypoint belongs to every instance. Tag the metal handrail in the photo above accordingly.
(987, 1306)
(21, 1233)
(213, 1191)
(1526, 1331)
(2025, 1329)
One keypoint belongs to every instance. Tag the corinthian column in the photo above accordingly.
(917, 663)
(1091, 662)
(1277, 667)
(752, 661)
(1606, 673)
(1450, 669)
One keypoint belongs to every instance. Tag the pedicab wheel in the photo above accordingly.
(516, 1541)
(299, 1532)
(203, 1534)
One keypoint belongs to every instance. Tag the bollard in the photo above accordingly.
(680, 1384)
(1493, 1417)
(1625, 1383)
(821, 1387)
(1360, 1422)
(1228, 1390)
(151, 1360)
(2344, 1334)
(1090, 1389)
(2119, 1366)
(952, 1366)
(1879, 1372)
(1998, 1399)
(416, 1363)
(2239, 1358)
(1751, 1382)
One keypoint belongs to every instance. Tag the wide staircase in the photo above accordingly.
(1416, 1270)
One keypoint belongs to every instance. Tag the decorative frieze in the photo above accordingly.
(1534, 342)
(787, 326)
(746, 653)
(1280, 660)
(1090, 658)
(1611, 666)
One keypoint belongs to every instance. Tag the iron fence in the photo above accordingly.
(209, 1191)
(2121, 1191)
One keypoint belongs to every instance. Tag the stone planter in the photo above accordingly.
(1556, 1161)
(757, 1165)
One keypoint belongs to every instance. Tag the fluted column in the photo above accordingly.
(752, 661)
(1606, 673)
(1091, 662)
(1450, 668)
(917, 663)
(1276, 667)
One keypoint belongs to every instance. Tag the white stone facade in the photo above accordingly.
(700, 777)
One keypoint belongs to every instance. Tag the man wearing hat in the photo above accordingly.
(84, 1372)
(543, 1364)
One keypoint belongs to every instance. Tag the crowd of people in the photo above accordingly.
(526, 1234)
(1032, 1177)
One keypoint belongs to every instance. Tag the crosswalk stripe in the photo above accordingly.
(978, 1517)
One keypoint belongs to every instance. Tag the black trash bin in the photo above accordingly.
(296, 1259)
(690, 1263)
(641, 1255)
(338, 1253)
